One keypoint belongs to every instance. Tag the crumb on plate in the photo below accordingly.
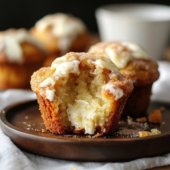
(129, 120)
(142, 119)
(43, 130)
(155, 116)
(146, 133)
(162, 109)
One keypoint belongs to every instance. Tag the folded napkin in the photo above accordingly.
(13, 158)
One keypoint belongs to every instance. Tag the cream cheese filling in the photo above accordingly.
(82, 115)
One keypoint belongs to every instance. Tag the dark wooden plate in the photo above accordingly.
(23, 124)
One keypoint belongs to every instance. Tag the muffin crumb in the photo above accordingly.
(142, 119)
(43, 130)
(129, 120)
(155, 132)
(162, 109)
(146, 125)
(146, 133)
(155, 116)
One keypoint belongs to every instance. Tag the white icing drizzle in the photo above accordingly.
(10, 42)
(65, 27)
(124, 52)
(64, 69)
(120, 61)
(116, 91)
(49, 81)
(120, 52)
(50, 94)
(107, 64)
(137, 51)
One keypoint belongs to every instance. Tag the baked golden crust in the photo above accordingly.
(56, 120)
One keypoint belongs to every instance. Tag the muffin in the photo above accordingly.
(134, 64)
(20, 56)
(81, 93)
(61, 33)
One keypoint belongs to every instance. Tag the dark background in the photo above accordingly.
(24, 13)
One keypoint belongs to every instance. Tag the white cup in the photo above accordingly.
(145, 24)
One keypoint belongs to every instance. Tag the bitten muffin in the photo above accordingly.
(134, 64)
(20, 56)
(81, 93)
(61, 33)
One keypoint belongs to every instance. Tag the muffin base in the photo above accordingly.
(53, 123)
(138, 101)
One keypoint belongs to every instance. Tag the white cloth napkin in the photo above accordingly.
(13, 158)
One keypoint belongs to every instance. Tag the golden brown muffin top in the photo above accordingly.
(45, 80)
(131, 60)
(18, 46)
(59, 31)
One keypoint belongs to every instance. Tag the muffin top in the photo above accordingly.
(18, 46)
(61, 25)
(131, 60)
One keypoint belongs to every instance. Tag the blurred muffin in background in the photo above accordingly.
(60, 34)
(134, 64)
(20, 55)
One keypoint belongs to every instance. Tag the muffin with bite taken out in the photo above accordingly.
(81, 93)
